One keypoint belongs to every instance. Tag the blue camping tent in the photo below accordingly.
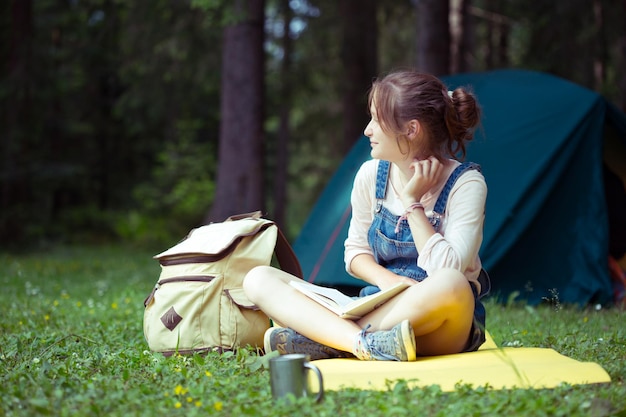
(541, 149)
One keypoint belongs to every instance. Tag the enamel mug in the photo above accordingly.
(289, 374)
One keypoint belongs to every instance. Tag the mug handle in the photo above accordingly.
(315, 369)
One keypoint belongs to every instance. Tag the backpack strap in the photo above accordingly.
(252, 215)
(287, 258)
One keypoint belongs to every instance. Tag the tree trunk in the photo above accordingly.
(600, 53)
(15, 107)
(284, 131)
(433, 36)
(467, 39)
(621, 62)
(359, 58)
(239, 186)
(490, 49)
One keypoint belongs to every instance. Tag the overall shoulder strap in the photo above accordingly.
(382, 176)
(440, 205)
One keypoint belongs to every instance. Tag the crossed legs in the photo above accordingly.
(440, 310)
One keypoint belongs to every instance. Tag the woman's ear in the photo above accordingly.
(413, 129)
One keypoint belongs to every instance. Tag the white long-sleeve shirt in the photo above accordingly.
(461, 232)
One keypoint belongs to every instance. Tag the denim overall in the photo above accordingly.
(397, 251)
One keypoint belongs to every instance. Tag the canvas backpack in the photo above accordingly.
(198, 303)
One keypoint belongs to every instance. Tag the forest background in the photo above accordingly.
(136, 121)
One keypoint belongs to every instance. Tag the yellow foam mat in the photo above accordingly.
(497, 368)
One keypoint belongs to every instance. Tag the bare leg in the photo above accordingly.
(440, 309)
(269, 289)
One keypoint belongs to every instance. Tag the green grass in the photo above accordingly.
(71, 344)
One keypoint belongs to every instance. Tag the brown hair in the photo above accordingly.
(447, 122)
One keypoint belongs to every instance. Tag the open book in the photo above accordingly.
(343, 305)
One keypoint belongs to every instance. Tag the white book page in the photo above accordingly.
(334, 295)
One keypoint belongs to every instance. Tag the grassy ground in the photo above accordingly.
(71, 344)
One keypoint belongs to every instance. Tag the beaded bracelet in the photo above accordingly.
(408, 211)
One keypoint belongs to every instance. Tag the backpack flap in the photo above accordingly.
(216, 239)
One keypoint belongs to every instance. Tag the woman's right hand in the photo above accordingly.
(426, 174)
(391, 279)
(365, 267)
